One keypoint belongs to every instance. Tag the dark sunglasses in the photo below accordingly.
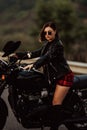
(48, 33)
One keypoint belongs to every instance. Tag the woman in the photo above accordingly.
(55, 66)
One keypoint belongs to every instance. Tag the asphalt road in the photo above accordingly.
(11, 123)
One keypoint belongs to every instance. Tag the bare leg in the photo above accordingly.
(59, 94)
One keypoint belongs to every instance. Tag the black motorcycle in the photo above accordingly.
(30, 95)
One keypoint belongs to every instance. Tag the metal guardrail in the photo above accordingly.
(77, 67)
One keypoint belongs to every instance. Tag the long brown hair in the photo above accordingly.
(48, 24)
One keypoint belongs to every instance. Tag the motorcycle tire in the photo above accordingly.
(74, 126)
(3, 114)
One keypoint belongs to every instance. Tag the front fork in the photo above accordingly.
(2, 86)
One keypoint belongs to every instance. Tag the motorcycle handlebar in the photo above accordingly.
(13, 59)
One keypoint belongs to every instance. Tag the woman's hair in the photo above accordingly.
(49, 24)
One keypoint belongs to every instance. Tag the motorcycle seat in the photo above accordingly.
(80, 81)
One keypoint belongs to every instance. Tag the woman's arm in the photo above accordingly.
(55, 52)
(28, 54)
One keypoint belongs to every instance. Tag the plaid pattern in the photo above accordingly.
(67, 80)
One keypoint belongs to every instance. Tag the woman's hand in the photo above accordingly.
(28, 67)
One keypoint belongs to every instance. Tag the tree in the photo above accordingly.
(62, 12)
(65, 15)
(84, 2)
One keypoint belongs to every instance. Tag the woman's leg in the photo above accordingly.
(59, 94)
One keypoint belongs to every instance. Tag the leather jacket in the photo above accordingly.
(52, 59)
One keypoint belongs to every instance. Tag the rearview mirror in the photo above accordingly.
(10, 47)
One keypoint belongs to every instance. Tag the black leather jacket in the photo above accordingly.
(52, 59)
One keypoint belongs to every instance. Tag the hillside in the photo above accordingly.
(17, 16)
(17, 20)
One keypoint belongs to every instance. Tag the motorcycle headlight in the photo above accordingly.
(3, 77)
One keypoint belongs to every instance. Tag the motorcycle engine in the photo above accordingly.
(32, 95)
(83, 95)
(29, 105)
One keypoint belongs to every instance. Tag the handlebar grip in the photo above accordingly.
(13, 59)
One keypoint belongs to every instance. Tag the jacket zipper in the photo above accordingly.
(53, 67)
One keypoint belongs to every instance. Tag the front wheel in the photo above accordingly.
(3, 114)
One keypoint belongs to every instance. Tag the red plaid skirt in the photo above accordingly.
(66, 80)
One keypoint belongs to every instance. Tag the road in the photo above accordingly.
(11, 123)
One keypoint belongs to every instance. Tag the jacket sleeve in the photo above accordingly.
(28, 54)
(54, 52)
(36, 53)
(41, 61)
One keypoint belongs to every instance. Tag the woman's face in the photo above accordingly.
(49, 34)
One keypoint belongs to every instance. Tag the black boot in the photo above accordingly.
(56, 116)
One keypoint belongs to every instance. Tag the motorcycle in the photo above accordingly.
(30, 95)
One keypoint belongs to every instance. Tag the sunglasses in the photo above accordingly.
(48, 33)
